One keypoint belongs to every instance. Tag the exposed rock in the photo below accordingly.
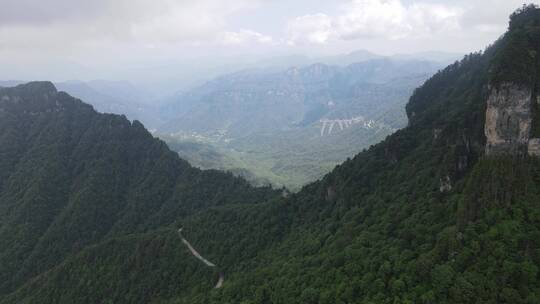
(285, 193)
(445, 184)
(508, 119)
(330, 194)
(534, 147)
(463, 163)
(436, 133)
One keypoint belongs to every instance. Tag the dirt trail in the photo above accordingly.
(220, 281)
(201, 258)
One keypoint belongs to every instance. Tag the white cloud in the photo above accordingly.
(112, 34)
(143, 22)
(155, 23)
(428, 19)
(387, 19)
(370, 18)
(488, 16)
(316, 29)
(243, 37)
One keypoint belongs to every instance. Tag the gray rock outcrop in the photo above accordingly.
(509, 121)
(534, 147)
(445, 184)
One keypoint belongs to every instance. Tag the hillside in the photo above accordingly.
(446, 210)
(73, 181)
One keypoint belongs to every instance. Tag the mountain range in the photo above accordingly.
(94, 209)
(281, 121)
(293, 126)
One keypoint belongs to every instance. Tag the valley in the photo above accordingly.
(291, 127)
(279, 126)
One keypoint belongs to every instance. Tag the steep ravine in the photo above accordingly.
(201, 258)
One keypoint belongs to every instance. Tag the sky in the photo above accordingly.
(76, 39)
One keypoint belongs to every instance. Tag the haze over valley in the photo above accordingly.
(276, 125)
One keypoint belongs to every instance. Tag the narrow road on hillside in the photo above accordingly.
(201, 258)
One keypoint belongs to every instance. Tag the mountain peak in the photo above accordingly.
(30, 90)
(37, 97)
(38, 88)
(528, 15)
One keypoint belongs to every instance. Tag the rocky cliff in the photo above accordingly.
(512, 124)
(509, 119)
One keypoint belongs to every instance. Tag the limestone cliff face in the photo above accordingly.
(534, 147)
(509, 120)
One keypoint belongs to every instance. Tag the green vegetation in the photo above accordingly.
(72, 181)
(283, 159)
(517, 59)
(143, 268)
(380, 228)
(207, 156)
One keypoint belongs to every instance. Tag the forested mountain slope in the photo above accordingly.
(72, 179)
(433, 214)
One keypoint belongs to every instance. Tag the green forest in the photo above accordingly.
(90, 205)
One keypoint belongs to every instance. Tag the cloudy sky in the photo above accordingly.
(75, 36)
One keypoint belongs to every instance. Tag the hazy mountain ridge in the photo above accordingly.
(274, 123)
(291, 109)
(116, 98)
(231, 102)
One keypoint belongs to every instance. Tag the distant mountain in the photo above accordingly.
(293, 126)
(168, 78)
(123, 90)
(115, 97)
(268, 123)
(347, 59)
(10, 83)
(357, 56)
(441, 57)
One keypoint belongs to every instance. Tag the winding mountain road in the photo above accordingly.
(196, 254)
